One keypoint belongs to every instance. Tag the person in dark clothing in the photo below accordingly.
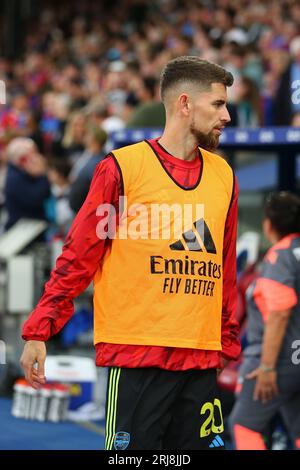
(26, 185)
(269, 379)
(286, 101)
(282, 101)
(58, 205)
(83, 170)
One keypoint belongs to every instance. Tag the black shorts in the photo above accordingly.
(155, 409)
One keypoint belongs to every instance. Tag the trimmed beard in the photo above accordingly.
(207, 141)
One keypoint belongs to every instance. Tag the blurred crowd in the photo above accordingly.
(89, 68)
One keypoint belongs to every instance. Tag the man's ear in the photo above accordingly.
(184, 104)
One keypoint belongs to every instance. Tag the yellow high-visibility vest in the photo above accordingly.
(158, 288)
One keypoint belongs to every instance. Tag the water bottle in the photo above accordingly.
(59, 403)
(43, 402)
(19, 398)
(34, 403)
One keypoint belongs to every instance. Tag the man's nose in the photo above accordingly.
(225, 116)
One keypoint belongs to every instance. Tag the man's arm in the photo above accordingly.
(82, 253)
(275, 293)
(275, 329)
(231, 347)
(265, 375)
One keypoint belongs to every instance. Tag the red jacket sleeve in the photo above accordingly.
(82, 252)
(231, 347)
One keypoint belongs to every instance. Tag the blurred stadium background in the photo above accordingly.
(80, 78)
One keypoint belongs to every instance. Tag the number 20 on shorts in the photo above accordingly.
(209, 424)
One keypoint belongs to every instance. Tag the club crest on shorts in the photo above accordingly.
(121, 441)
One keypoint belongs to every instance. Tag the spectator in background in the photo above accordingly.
(115, 88)
(150, 112)
(278, 61)
(248, 102)
(101, 114)
(59, 206)
(83, 170)
(295, 75)
(26, 185)
(3, 170)
(269, 380)
(76, 93)
(235, 60)
(52, 122)
(287, 101)
(73, 140)
(16, 120)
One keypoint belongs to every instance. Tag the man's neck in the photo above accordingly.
(179, 144)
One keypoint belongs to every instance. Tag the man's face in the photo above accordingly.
(209, 116)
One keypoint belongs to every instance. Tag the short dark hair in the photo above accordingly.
(60, 165)
(194, 70)
(150, 85)
(283, 210)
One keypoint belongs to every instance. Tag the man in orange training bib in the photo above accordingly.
(157, 235)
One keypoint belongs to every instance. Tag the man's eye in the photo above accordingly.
(218, 105)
